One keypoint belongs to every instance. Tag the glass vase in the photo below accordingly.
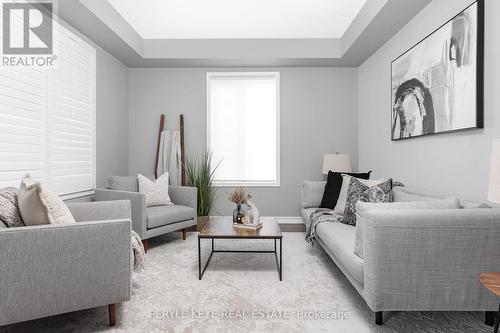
(238, 214)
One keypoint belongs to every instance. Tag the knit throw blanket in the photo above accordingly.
(320, 215)
(139, 253)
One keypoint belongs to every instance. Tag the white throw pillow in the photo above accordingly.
(156, 192)
(346, 180)
(38, 205)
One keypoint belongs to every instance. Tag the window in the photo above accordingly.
(47, 120)
(243, 128)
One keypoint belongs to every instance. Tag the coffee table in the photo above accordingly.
(223, 229)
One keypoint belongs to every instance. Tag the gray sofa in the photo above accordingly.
(150, 222)
(415, 260)
(52, 269)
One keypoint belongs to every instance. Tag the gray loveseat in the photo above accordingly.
(150, 222)
(415, 260)
(47, 270)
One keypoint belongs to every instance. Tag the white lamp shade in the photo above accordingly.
(494, 188)
(336, 163)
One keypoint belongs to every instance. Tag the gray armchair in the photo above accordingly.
(52, 269)
(150, 222)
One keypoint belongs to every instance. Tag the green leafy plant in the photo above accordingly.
(199, 174)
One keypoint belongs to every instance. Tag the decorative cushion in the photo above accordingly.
(346, 181)
(156, 192)
(360, 192)
(40, 206)
(9, 210)
(334, 185)
(363, 207)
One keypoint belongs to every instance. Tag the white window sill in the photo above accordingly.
(246, 184)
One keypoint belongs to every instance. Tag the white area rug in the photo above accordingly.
(242, 293)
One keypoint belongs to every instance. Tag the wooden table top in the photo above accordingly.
(491, 281)
(223, 228)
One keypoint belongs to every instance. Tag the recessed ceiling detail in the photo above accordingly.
(239, 33)
(230, 19)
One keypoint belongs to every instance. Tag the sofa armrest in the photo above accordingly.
(53, 269)
(430, 259)
(137, 202)
(184, 195)
(100, 210)
(312, 193)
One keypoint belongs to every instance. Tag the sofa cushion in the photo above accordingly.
(334, 185)
(38, 205)
(125, 183)
(312, 191)
(9, 209)
(346, 180)
(159, 216)
(360, 192)
(363, 207)
(400, 196)
(339, 238)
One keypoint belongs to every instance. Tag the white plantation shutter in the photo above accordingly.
(22, 108)
(47, 119)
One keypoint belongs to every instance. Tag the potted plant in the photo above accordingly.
(199, 174)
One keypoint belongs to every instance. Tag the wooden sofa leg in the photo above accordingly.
(379, 318)
(184, 234)
(112, 314)
(145, 244)
(489, 318)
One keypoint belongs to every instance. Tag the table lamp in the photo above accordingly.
(340, 163)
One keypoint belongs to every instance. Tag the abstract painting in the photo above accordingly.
(437, 85)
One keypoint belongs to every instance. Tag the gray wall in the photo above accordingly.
(318, 115)
(449, 163)
(112, 117)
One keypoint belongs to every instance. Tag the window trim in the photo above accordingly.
(257, 183)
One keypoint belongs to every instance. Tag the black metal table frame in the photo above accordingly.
(279, 262)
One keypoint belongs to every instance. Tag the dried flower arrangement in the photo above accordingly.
(239, 196)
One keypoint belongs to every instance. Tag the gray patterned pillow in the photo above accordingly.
(360, 192)
(9, 209)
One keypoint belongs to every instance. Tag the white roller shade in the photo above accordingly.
(243, 127)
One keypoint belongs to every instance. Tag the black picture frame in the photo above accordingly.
(479, 73)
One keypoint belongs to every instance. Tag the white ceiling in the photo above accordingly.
(238, 19)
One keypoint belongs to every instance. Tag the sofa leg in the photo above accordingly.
(183, 234)
(379, 318)
(489, 318)
(112, 314)
(145, 244)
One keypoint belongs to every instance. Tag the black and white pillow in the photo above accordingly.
(9, 209)
(360, 192)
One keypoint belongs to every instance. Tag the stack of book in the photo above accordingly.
(248, 226)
